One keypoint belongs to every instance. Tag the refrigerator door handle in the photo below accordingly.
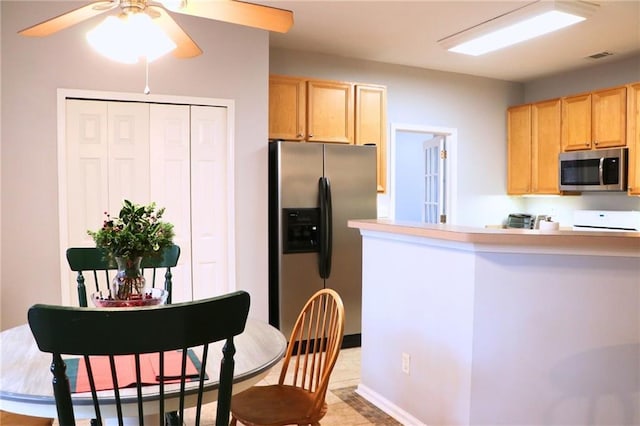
(324, 258)
(329, 233)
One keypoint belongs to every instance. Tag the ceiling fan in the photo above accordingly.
(232, 11)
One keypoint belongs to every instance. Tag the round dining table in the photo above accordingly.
(26, 382)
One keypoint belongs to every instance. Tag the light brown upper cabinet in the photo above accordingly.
(371, 124)
(545, 146)
(533, 147)
(519, 150)
(594, 120)
(287, 108)
(330, 111)
(634, 138)
(311, 110)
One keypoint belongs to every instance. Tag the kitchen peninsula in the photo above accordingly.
(475, 326)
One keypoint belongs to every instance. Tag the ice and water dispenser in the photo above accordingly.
(300, 230)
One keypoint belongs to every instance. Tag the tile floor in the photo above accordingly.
(346, 408)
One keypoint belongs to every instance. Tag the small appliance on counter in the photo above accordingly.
(526, 221)
(609, 221)
(521, 221)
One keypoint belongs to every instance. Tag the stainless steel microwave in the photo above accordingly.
(596, 170)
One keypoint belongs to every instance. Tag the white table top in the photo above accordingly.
(25, 379)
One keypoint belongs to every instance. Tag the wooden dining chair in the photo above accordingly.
(93, 263)
(299, 396)
(138, 332)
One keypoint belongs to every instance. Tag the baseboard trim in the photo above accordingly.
(352, 341)
(388, 407)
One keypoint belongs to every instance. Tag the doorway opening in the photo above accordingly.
(423, 173)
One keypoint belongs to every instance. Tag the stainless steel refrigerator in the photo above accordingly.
(314, 189)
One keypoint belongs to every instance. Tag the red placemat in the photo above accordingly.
(126, 370)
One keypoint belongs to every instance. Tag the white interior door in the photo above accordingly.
(87, 154)
(434, 180)
(170, 154)
(209, 185)
(107, 161)
(128, 148)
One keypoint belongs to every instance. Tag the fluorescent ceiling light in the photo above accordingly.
(130, 37)
(532, 20)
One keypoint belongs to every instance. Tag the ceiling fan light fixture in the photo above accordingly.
(128, 38)
(530, 21)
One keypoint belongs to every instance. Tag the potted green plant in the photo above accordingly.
(136, 232)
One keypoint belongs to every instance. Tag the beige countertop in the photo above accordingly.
(617, 243)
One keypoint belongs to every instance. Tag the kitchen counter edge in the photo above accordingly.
(511, 240)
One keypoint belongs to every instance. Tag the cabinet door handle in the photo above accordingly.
(595, 143)
(310, 135)
(299, 135)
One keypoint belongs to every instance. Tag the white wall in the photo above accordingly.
(234, 66)
(600, 75)
(409, 173)
(475, 106)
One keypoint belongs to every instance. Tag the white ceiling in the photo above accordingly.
(406, 33)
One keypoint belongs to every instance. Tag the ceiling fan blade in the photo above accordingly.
(239, 12)
(185, 46)
(68, 19)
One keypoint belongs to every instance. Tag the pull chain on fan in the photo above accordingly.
(146, 77)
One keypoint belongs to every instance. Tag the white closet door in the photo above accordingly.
(209, 201)
(107, 161)
(87, 169)
(128, 124)
(176, 155)
(170, 183)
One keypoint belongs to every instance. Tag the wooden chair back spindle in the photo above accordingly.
(312, 352)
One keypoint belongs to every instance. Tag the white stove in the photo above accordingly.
(609, 221)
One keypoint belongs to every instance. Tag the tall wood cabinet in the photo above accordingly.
(371, 124)
(533, 133)
(313, 110)
(633, 128)
(545, 146)
(519, 150)
(594, 120)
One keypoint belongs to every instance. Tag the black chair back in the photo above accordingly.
(93, 263)
(110, 332)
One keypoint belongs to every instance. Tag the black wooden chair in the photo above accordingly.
(118, 331)
(92, 263)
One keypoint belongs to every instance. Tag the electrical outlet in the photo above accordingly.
(406, 363)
